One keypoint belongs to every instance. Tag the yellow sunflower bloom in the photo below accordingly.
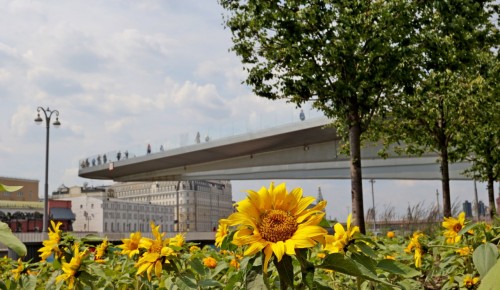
(235, 264)
(465, 251)
(453, 226)
(157, 252)
(52, 244)
(470, 282)
(341, 238)
(194, 249)
(277, 222)
(391, 234)
(71, 269)
(210, 262)
(178, 240)
(222, 232)
(19, 270)
(130, 246)
(416, 247)
(101, 251)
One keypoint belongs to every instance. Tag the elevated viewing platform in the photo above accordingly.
(300, 150)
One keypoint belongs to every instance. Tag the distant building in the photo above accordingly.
(467, 208)
(481, 208)
(129, 207)
(28, 192)
(23, 211)
(97, 210)
(197, 205)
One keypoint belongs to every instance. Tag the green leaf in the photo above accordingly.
(235, 278)
(9, 188)
(210, 283)
(397, 268)
(468, 228)
(255, 280)
(484, 257)
(285, 270)
(198, 266)
(367, 250)
(340, 263)
(187, 281)
(11, 241)
(492, 279)
(365, 264)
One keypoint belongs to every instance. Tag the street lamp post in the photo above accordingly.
(48, 114)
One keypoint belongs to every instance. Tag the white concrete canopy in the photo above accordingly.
(305, 150)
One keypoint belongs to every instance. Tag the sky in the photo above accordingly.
(126, 73)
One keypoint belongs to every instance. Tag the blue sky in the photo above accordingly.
(126, 73)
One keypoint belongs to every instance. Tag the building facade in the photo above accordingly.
(97, 210)
(28, 192)
(197, 205)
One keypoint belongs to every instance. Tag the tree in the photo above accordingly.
(481, 136)
(346, 57)
(451, 41)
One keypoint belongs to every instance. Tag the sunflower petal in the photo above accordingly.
(268, 252)
(278, 249)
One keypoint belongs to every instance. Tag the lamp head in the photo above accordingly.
(38, 119)
(56, 122)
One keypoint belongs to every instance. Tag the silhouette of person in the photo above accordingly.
(99, 159)
(93, 161)
(207, 138)
(161, 147)
(149, 149)
(197, 139)
(119, 155)
(126, 154)
(104, 158)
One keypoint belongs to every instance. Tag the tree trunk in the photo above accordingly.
(356, 178)
(491, 194)
(445, 182)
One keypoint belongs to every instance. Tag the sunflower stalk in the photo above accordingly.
(306, 267)
(285, 271)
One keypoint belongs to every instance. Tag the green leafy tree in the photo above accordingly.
(481, 136)
(450, 45)
(346, 57)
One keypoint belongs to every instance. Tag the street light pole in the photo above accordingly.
(48, 114)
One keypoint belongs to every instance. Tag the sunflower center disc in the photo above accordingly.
(156, 247)
(277, 225)
(457, 227)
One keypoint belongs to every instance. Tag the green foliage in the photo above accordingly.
(11, 241)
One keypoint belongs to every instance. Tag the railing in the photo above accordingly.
(112, 236)
(225, 130)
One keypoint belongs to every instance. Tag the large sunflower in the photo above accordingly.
(157, 252)
(52, 244)
(453, 227)
(277, 222)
